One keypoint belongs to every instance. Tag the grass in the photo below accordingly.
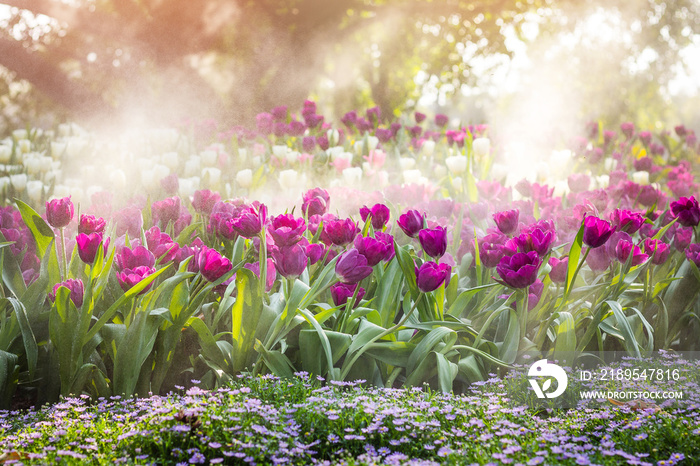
(304, 420)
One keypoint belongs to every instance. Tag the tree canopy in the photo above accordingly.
(230, 59)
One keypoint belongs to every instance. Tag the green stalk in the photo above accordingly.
(386, 332)
(349, 304)
(64, 275)
(568, 288)
(523, 310)
(263, 265)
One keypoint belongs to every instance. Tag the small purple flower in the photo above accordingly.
(559, 268)
(59, 212)
(596, 231)
(286, 230)
(290, 260)
(687, 211)
(507, 221)
(411, 222)
(341, 292)
(76, 288)
(520, 269)
(380, 215)
(430, 275)
(352, 267)
(433, 241)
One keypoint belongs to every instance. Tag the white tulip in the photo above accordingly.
(46, 163)
(279, 151)
(641, 177)
(192, 166)
(212, 174)
(171, 160)
(148, 178)
(456, 164)
(35, 190)
(481, 146)
(185, 188)
(160, 172)
(457, 182)
(372, 142)
(609, 164)
(5, 153)
(602, 181)
(292, 156)
(117, 178)
(242, 154)
(19, 134)
(244, 178)
(257, 160)
(208, 157)
(92, 190)
(358, 147)
(24, 145)
(288, 178)
(58, 148)
(352, 175)
(411, 176)
(334, 152)
(19, 181)
(561, 188)
(4, 183)
(383, 177)
(407, 163)
(440, 171)
(499, 171)
(333, 136)
(428, 147)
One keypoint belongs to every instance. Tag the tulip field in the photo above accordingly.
(405, 255)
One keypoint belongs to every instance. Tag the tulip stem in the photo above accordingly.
(348, 308)
(63, 250)
(386, 332)
(263, 265)
(570, 284)
(524, 305)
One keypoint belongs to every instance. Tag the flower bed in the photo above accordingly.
(266, 420)
(439, 281)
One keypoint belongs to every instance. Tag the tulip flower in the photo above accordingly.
(128, 278)
(373, 249)
(507, 221)
(352, 267)
(76, 288)
(341, 292)
(88, 245)
(596, 231)
(314, 252)
(203, 201)
(538, 240)
(687, 210)
(250, 221)
(91, 224)
(290, 261)
(166, 211)
(380, 215)
(212, 265)
(490, 254)
(682, 238)
(132, 258)
(315, 202)
(59, 212)
(559, 268)
(433, 241)
(657, 250)
(339, 232)
(270, 271)
(520, 269)
(430, 275)
(692, 253)
(624, 248)
(411, 222)
(627, 221)
(286, 230)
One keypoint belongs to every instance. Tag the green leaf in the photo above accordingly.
(511, 343)
(446, 372)
(310, 348)
(460, 304)
(429, 343)
(386, 296)
(245, 314)
(408, 267)
(565, 343)
(469, 367)
(43, 236)
(31, 350)
(624, 328)
(574, 257)
(393, 353)
(9, 370)
(278, 363)
(325, 343)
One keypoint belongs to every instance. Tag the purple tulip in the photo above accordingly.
(693, 253)
(133, 258)
(341, 292)
(430, 275)
(250, 221)
(170, 184)
(682, 238)
(270, 271)
(59, 212)
(373, 249)
(578, 182)
(315, 202)
(520, 269)
(91, 224)
(559, 268)
(88, 245)
(623, 250)
(128, 220)
(204, 200)
(441, 120)
(657, 250)
(161, 245)
(315, 252)
(538, 240)
(166, 211)
(627, 221)
(389, 241)
(212, 265)
(598, 259)
(596, 231)
(339, 232)
(433, 241)
(77, 290)
(490, 254)
(380, 215)
(352, 267)
(128, 278)
(507, 221)
(687, 211)
(290, 261)
(411, 222)
(287, 230)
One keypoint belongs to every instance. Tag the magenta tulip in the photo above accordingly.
(379, 213)
(341, 292)
(286, 230)
(76, 288)
(657, 250)
(339, 232)
(59, 212)
(88, 245)
(203, 201)
(132, 258)
(128, 278)
(290, 261)
(270, 271)
(352, 267)
(433, 241)
(559, 268)
(91, 224)
(430, 275)
(166, 211)
(596, 231)
(520, 269)
(507, 221)
(373, 249)
(411, 222)
(212, 265)
(250, 221)
(623, 250)
(687, 210)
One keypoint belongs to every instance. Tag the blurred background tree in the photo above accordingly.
(109, 61)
